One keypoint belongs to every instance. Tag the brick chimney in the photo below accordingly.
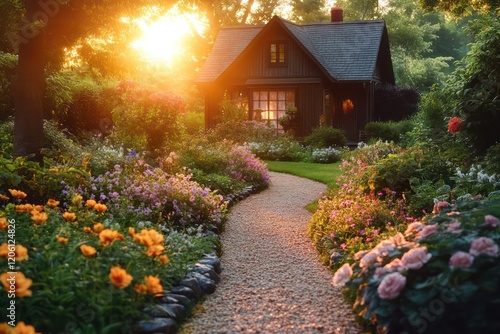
(337, 14)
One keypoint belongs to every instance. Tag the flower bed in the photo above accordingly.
(441, 276)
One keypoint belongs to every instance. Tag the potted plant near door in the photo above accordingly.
(289, 120)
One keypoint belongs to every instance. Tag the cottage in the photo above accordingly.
(327, 71)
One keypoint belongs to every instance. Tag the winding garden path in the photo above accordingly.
(272, 280)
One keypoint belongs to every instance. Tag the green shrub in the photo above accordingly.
(241, 132)
(8, 63)
(387, 131)
(492, 160)
(280, 148)
(326, 136)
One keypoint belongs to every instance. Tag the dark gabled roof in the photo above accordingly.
(346, 51)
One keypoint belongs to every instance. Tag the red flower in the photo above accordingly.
(455, 125)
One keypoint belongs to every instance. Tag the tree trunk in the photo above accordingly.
(28, 89)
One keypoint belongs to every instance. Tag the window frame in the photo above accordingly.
(277, 53)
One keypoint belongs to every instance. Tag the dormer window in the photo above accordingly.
(277, 53)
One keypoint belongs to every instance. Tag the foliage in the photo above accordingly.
(388, 131)
(439, 277)
(326, 136)
(280, 148)
(146, 118)
(242, 132)
(226, 159)
(461, 7)
(7, 71)
(396, 170)
(325, 155)
(395, 103)
(71, 287)
(492, 160)
(477, 84)
(79, 102)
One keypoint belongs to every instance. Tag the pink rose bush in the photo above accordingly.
(448, 259)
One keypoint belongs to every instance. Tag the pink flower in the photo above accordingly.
(414, 227)
(342, 275)
(400, 241)
(491, 220)
(440, 206)
(427, 231)
(360, 254)
(384, 247)
(415, 258)
(391, 286)
(461, 259)
(368, 259)
(483, 245)
(454, 226)
(395, 264)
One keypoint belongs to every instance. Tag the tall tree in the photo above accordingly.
(309, 11)
(461, 7)
(359, 9)
(47, 27)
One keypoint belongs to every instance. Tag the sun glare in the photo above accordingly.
(164, 40)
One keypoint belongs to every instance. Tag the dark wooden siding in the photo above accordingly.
(309, 107)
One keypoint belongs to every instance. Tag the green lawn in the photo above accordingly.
(324, 173)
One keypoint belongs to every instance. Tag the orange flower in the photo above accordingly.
(4, 250)
(88, 251)
(39, 217)
(90, 203)
(101, 208)
(52, 203)
(88, 230)
(22, 328)
(141, 289)
(149, 238)
(108, 236)
(62, 240)
(5, 328)
(155, 250)
(98, 227)
(4, 224)
(153, 285)
(24, 208)
(131, 231)
(164, 259)
(16, 283)
(21, 253)
(17, 193)
(69, 216)
(5, 198)
(119, 277)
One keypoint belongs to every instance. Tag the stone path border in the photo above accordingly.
(272, 280)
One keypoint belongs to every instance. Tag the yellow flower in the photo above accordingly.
(77, 200)
(88, 230)
(69, 216)
(90, 203)
(88, 251)
(141, 289)
(22, 328)
(101, 208)
(52, 203)
(119, 277)
(39, 217)
(21, 253)
(164, 259)
(107, 237)
(5, 198)
(153, 285)
(4, 224)
(62, 240)
(17, 193)
(155, 250)
(131, 231)
(98, 227)
(20, 284)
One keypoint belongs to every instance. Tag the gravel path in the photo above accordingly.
(272, 280)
